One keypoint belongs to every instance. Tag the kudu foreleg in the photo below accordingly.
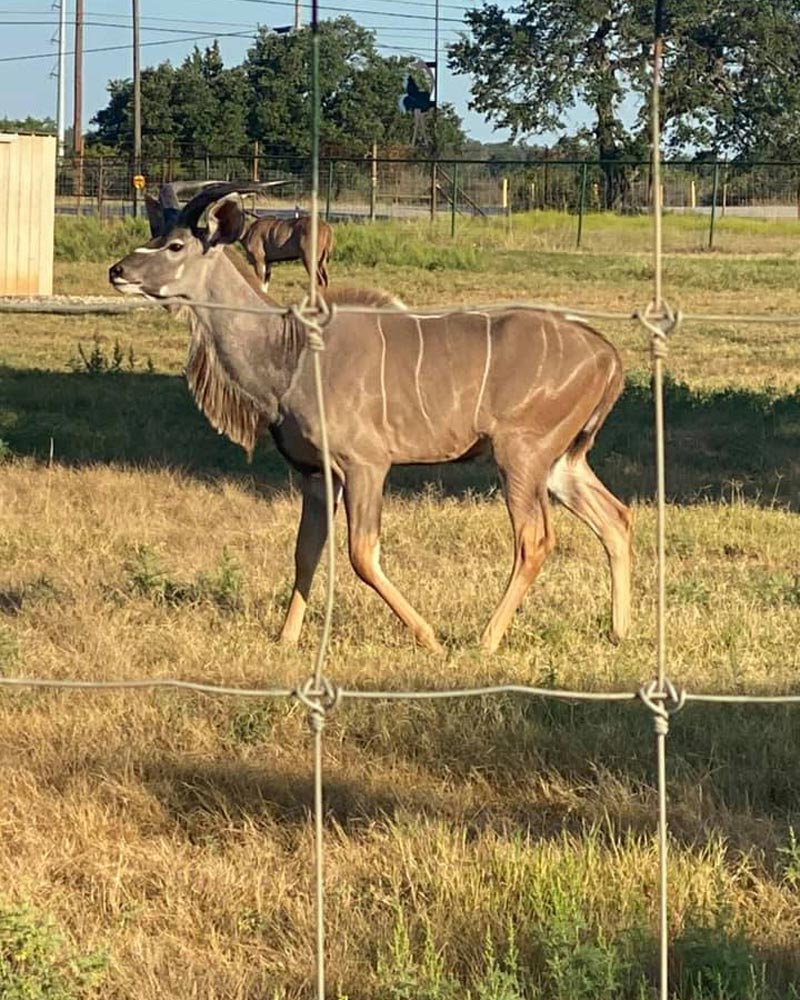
(363, 496)
(311, 537)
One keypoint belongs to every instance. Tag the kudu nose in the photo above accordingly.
(115, 271)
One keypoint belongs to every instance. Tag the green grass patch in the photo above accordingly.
(90, 238)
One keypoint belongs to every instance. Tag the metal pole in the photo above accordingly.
(714, 192)
(77, 102)
(454, 201)
(61, 112)
(77, 105)
(137, 107)
(435, 95)
(582, 203)
(329, 191)
(658, 402)
(373, 183)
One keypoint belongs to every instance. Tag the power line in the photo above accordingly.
(118, 48)
(359, 10)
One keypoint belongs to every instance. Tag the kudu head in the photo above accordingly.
(177, 262)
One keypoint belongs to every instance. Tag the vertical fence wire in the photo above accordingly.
(658, 317)
(316, 714)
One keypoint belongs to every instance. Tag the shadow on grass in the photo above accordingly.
(728, 443)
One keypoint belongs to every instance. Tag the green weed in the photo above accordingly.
(35, 963)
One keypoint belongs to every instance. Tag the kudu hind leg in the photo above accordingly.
(311, 537)
(363, 497)
(534, 539)
(574, 483)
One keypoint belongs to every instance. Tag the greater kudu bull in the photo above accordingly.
(531, 385)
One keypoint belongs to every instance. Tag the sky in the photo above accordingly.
(170, 31)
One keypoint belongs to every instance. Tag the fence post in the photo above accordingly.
(724, 197)
(329, 191)
(693, 193)
(255, 160)
(373, 182)
(582, 203)
(434, 183)
(101, 180)
(454, 201)
(714, 192)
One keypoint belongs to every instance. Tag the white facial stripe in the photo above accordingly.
(148, 250)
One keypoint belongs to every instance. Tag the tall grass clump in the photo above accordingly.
(89, 238)
(407, 245)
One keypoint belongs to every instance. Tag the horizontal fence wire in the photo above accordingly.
(77, 306)
(336, 694)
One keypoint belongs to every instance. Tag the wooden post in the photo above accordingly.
(255, 160)
(373, 182)
(454, 201)
(582, 203)
(101, 181)
(693, 193)
(533, 194)
(714, 191)
(434, 185)
(504, 195)
(724, 197)
(329, 191)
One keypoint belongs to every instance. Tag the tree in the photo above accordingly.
(115, 121)
(731, 81)
(359, 90)
(206, 106)
(29, 124)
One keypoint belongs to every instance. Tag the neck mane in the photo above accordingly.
(230, 407)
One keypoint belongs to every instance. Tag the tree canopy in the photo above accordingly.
(731, 72)
(207, 106)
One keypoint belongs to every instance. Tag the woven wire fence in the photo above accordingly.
(320, 694)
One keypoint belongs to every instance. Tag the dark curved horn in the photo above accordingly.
(192, 210)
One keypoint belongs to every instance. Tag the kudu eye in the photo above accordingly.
(175, 246)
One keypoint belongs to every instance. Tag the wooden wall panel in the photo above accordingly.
(27, 210)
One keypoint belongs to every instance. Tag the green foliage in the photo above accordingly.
(730, 81)
(387, 244)
(222, 589)
(715, 963)
(88, 238)
(35, 963)
(98, 362)
(203, 105)
(28, 124)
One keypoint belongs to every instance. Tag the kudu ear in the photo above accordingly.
(226, 220)
(155, 216)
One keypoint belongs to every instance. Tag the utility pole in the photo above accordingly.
(435, 96)
(77, 104)
(298, 17)
(137, 108)
(61, 76)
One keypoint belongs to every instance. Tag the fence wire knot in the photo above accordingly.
(661, 323)
(314, 319)
(318, 700)
(662, 704)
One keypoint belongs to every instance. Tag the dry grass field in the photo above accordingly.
(158, 846)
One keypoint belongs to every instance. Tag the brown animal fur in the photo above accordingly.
(269, 240)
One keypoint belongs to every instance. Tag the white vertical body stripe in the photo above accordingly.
(485, 368)
(417, 374)
(383, 375)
